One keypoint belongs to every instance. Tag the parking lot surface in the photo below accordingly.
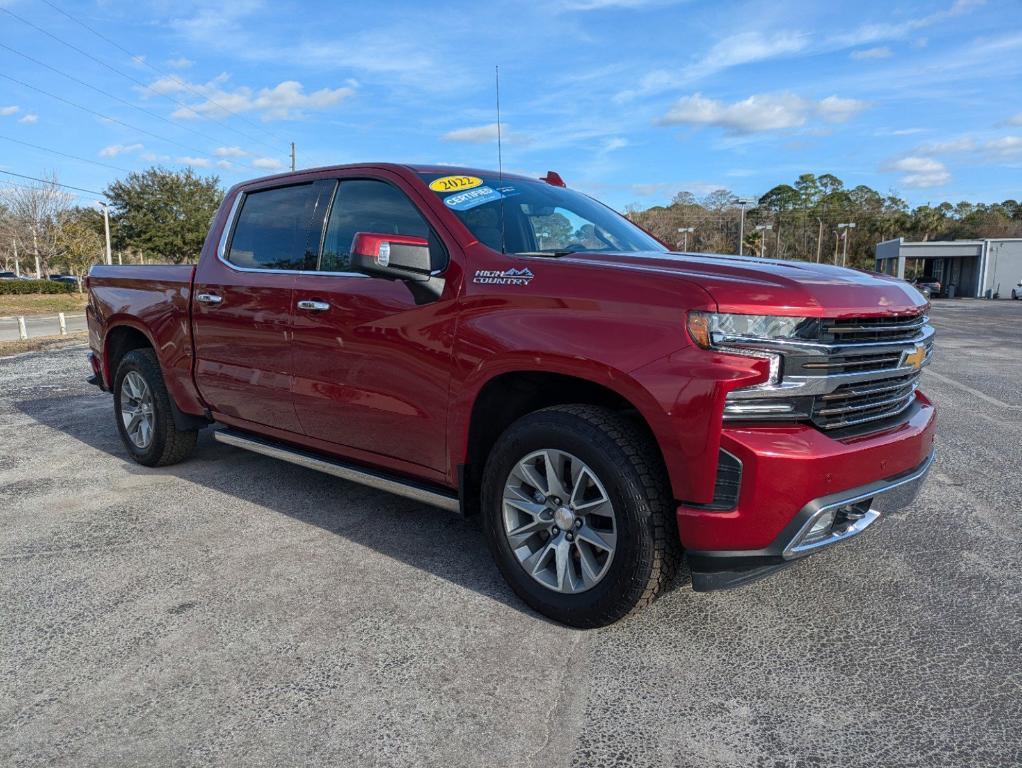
(235, 610)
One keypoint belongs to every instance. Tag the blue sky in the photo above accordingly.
(629, 100)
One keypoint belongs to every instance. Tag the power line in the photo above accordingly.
(53, 183)
(105, 117)
(115, 97)
(129, 77)
(65, 154)
(156, 69)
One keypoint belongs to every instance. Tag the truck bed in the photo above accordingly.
(154, 301)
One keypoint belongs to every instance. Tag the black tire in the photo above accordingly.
(629, 466)
(169, 445)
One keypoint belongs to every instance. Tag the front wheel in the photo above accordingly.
(1014, 295)
(577, 514)
(145, 419)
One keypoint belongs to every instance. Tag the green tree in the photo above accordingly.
(163, 214)
(78, 245)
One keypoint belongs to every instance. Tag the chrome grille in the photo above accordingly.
(855, 375)
(860, 330)
(862, 402)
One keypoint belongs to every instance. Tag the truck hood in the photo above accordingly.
(753, 285)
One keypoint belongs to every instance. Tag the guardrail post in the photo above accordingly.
(63, 323)
(22, 330)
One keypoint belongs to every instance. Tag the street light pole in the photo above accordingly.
(685, 231)
(743, 202)
(764, 228)
(844, 236)
(106, 226)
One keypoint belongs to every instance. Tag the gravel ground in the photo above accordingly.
(234, 610)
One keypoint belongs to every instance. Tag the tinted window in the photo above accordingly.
(362, 205)
(273, 229)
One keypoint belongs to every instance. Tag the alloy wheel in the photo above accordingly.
(137, 409)
(559, 521)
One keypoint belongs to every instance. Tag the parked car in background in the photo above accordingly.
(1016, 292)
(65, 279)
(506, 347)
(8, 276)
(928, 286)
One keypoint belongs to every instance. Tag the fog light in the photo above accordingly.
(821, 528)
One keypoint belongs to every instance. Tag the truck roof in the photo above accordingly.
(413, 167)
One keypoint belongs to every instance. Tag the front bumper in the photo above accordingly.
(791, 476)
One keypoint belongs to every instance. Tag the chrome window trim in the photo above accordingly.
(227, 234)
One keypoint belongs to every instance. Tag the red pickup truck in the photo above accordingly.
(507, 347)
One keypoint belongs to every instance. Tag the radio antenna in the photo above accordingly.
(500, 162)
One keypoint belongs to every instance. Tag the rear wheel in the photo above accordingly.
(145, 418)
(576, 509)
(1014, 294)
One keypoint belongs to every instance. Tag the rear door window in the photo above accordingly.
(276, 228)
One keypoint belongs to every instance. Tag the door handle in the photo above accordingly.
(209, 298)
(313, 306)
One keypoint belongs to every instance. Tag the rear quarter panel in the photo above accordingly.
(154, 300)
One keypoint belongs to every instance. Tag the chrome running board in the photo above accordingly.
(379, 480)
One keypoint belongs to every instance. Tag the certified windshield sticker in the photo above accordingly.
(462, 201)
(507, 277)
(454, 183)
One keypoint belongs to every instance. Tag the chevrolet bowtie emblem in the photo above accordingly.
(914, 358)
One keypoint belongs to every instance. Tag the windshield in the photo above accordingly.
(538, 217)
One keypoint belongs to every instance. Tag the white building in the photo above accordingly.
(972, 268)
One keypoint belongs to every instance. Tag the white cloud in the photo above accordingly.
(180, 63)
(11, 110)
(873, 32)
(834, 109)
(600, 5)
(485, 134)
(1013, 120)
(960, 144)
(267, 163)
(1004, 147)
(759, 112)
(880, 52)
(613, 143)
(225, 164)
(30, 119)
(480, 134)
(285, 101)
(198, 162)
(152, 157)
(921, 172)
(114, 150)
(738, 49)
(229, 152)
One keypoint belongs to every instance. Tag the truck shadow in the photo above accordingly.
(426, 538)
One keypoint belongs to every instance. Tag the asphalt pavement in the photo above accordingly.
(41, 325)
(235, 610)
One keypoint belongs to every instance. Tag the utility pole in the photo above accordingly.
(763, 229)
(35, 250)
(17, 265)
(844, 236)
(743, 202)
(819, 240)
(106, 226)
(292, 157)
(684, 231)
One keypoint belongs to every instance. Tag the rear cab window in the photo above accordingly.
(276, 228)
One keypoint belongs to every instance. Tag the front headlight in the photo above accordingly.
(711, 330)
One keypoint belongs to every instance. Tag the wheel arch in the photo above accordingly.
(507, 395)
